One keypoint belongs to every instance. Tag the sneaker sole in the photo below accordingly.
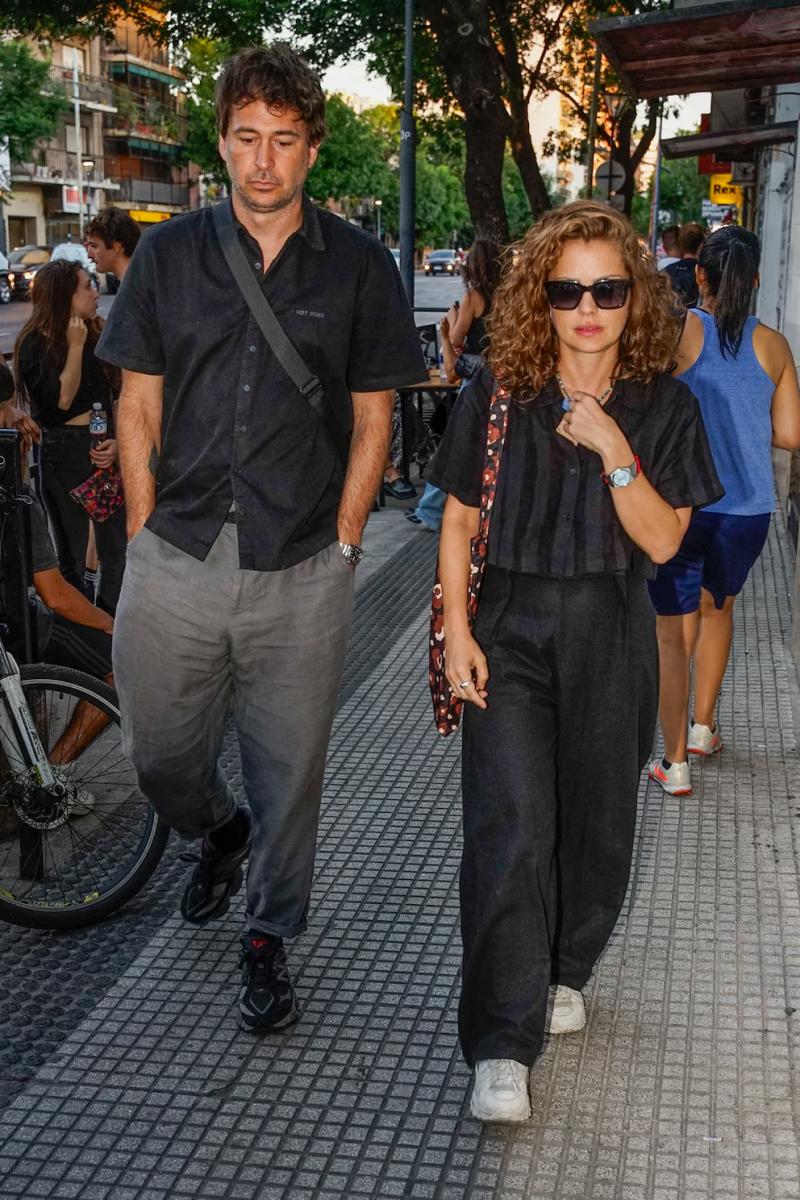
(704, 753)
(291, 1018)
(671, 791)
(571, 1025)
(510, 1118)
(235, 885)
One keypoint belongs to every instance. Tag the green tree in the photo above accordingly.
(30, 101)
(683, 190)
(351, 166)
(201, 62)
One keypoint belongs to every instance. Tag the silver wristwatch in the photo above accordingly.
(352, 554)
(622, 476)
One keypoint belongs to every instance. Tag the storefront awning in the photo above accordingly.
(704, 48)
(731, 144)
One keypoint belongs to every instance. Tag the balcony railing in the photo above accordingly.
(153, 191)
(51, 165)
(145, 118)
(93, 91)
(130, 41)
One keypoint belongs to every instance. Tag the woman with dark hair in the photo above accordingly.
(464, 344)
(58, 373)
(605, 456)
(744, 377)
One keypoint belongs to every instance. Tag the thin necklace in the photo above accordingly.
(565, 396)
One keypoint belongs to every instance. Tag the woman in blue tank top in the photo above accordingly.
(744, 378)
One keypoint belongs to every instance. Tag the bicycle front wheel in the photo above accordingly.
(71, 861)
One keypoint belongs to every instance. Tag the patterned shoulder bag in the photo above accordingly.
(447, 707)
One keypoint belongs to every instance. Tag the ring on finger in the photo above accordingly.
(465, 683)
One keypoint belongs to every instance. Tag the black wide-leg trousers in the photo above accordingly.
(549, 778)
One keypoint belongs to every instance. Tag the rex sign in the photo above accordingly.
(723, 190)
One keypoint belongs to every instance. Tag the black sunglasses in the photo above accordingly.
(606, 293)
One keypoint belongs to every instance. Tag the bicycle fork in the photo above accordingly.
(26, 757)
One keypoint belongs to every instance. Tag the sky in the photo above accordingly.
(352, 79)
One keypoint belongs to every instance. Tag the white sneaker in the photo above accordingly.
(704, 740)
(677, 781)
(569, 1014)
(500, 1091)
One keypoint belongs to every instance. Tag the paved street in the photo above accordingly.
(683, 1086)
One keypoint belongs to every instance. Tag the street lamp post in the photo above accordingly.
(88, 167)
(378, 206)
(408, 161)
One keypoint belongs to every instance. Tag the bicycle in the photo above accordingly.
(77, 838)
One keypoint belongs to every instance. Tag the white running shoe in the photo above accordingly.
(703, 740)
(569, 1014)
(677, 781)
(500, 1091)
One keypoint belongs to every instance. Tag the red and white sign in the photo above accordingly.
(70, 199)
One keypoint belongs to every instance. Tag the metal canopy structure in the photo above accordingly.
(729, 144)
(704, 48)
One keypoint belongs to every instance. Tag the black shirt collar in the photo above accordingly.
(310, 230)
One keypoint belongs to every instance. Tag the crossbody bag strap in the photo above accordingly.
(277, 339)
(495, 441)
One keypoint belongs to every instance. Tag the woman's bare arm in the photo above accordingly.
(464, 659)
(775, 355)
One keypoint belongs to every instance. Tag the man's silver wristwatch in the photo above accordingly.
(352, 554)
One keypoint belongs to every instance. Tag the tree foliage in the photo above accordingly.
(31, 102)
(237, 22)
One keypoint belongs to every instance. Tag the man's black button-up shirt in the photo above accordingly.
(235, 429)
(553, 514)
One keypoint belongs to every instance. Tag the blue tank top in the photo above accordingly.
(735, 397)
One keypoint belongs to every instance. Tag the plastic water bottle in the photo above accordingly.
(441, 361)
(98, 425)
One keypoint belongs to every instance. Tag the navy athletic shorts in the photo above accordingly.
(717, 554)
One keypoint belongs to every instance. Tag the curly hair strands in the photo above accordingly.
(277, 75)
(524, 347)
(730, 259)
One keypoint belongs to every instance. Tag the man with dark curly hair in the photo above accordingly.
(240, 575)
(111, 238)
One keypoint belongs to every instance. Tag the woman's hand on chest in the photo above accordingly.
(588, 424)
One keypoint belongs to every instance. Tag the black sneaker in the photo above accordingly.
(266, 1000)
(217, 877)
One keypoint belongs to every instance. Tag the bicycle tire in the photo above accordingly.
(89, 909)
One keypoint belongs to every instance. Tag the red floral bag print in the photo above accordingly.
(101, 494)
(447, 707)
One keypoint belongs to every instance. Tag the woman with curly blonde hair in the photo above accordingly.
(604, 460)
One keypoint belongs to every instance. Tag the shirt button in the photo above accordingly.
(257, 266)
(246, 387)
(242, 428)
(565, 516)
(573, 470)
(252, 349)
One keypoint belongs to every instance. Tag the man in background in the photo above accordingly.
(111, 238)
(669, 242)
(682, 273)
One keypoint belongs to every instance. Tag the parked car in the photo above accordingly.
(441, 262)
(23, 264)
(27, 260)
(5, 286)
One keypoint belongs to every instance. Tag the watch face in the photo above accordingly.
(621, 477)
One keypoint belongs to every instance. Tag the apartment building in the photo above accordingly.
(121, 149)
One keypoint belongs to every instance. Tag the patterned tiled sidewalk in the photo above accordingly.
(682, 1087)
